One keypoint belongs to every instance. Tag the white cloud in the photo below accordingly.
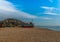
(46, 18)
(45, 7)
(51, 10)
(1, 0)
(51, 13)
(7, 9)
(7, 6)
(51, 1)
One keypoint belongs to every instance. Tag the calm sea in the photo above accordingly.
(56, 28)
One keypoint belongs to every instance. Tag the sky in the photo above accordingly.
(40, 12)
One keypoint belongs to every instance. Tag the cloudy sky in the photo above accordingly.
(42, 12)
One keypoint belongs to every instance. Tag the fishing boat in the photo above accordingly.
(28, 25)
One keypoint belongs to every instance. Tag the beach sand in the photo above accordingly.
(18, 34)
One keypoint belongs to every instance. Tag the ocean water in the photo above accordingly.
(55, 28)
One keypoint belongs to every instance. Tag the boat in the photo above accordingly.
(28, 25)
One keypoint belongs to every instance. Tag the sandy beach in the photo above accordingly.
(18, 34)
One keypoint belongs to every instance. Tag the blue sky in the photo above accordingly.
(33, 6)
(43, 12)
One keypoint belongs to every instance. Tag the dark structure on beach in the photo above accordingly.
(15, 23)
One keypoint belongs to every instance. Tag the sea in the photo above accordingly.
(55, 28)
